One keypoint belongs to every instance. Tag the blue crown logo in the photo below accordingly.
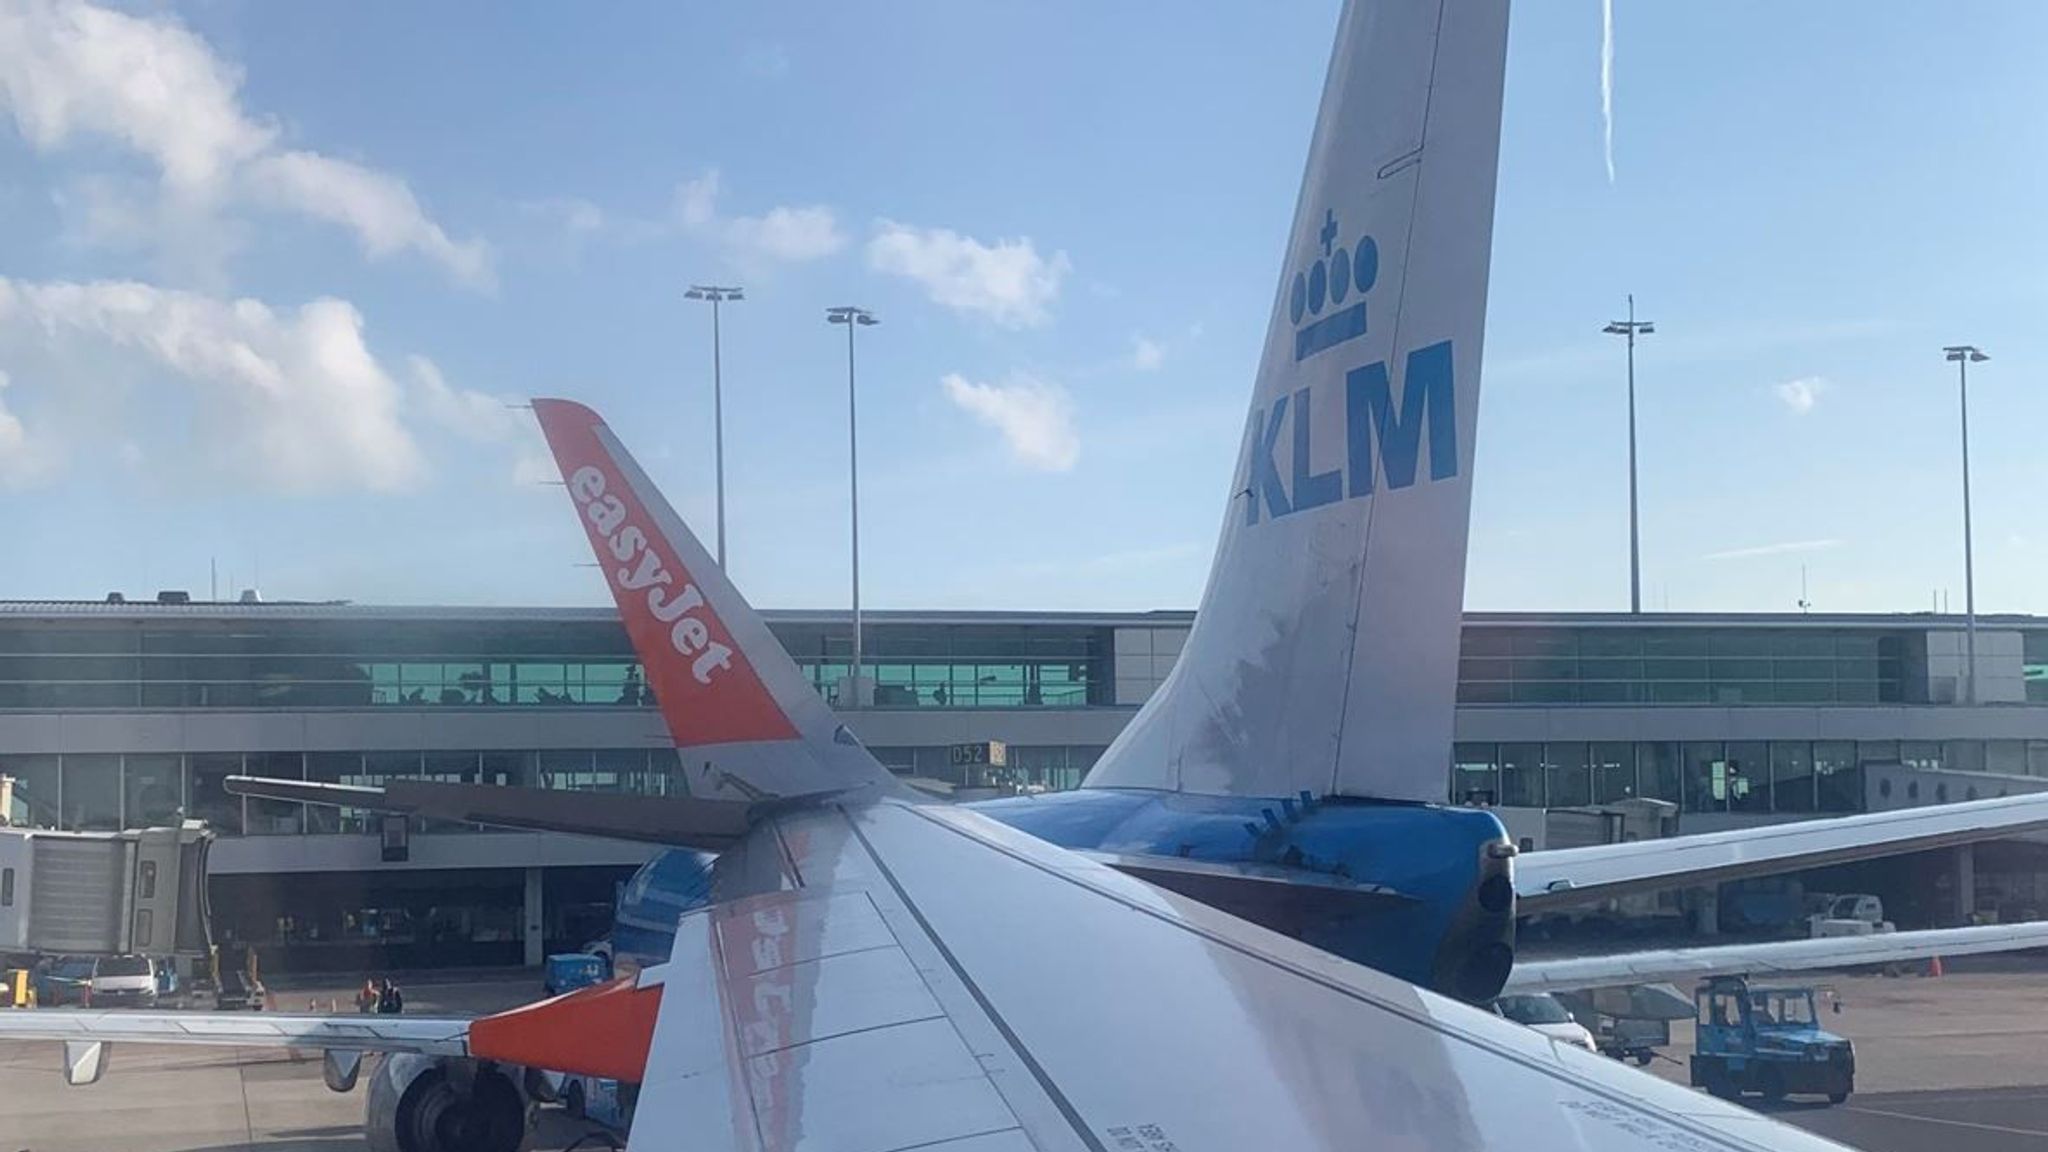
(1336, 274)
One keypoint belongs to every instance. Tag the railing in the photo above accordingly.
(608, 683)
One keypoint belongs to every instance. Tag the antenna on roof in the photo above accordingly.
(212, 578)
(1805, 605)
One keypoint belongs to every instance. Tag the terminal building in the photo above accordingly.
(130, 714)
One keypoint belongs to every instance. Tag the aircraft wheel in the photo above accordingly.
(1772, 1084)
(437, 1115)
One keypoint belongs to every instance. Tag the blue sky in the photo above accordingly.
(272, 272)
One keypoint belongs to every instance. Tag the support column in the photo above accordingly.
(533, 921)
(1706, 911)
(1966, 883)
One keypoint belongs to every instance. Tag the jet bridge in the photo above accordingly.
(105, 893)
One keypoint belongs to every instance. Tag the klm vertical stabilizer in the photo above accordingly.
(1325, 654)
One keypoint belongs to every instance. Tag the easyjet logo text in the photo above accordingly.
(644, 572)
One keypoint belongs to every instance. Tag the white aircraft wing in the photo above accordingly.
(1567, 876)
(427, 1035)
(925, 977)
(1771, 958)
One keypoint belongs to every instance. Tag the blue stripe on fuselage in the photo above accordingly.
(1422, 851)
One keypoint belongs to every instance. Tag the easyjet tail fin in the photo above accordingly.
(1324, 657)
(749, 724)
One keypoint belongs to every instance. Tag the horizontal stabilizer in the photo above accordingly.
(710, 825)
(1286, 900)
(423, 1035)
(1772, 958)
(1565, 877)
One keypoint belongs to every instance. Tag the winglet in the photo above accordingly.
(702, 675)
(721, 678)
(599, 1031)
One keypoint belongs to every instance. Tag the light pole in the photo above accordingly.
(1631, 328)
(853, 318)
(1965, 355)
(717, 295)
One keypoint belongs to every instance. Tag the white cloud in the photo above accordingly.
(105, 212)
(1147, 355)
(1781, 549)
(581, 216)
(22, 459)
(767, 61)
(70, 69)
(1008, 282)
(471, 415)
(573, 218)
(1035, 418)
(784, 234)
(697, 200)
(1802, 394)
(480, 416)
(292, 399)
(787, 234)
(377, 207)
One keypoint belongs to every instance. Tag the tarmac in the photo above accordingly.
(1954, 1064)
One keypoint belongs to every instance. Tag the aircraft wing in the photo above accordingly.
(912, 976)
(89, 1037)
(1545, 881)
(426, 1035)
(1771, 958)
(689, 821)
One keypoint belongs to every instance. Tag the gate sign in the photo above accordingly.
(983, 754)
(395, 838)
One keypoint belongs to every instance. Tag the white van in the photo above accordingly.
(1541, 1011)
(124, 982)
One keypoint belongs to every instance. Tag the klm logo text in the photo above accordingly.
(1382, 441)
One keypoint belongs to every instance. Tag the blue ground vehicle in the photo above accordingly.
(1768, 1041)
(568, 971)
(64, 980)
(606, 1102)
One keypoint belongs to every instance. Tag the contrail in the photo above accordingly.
(1607, 80)
(1775, 549)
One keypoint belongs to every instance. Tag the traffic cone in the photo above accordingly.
(1934, 966)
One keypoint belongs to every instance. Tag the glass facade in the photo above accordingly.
(1503, 664)
(1756, 776)
(366, 922)
(96, 792)
(2034, 664)
(368, 661)
(1054, 767)
(286, 663)
(1799, 776)
(371, 661)
(78, 792)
